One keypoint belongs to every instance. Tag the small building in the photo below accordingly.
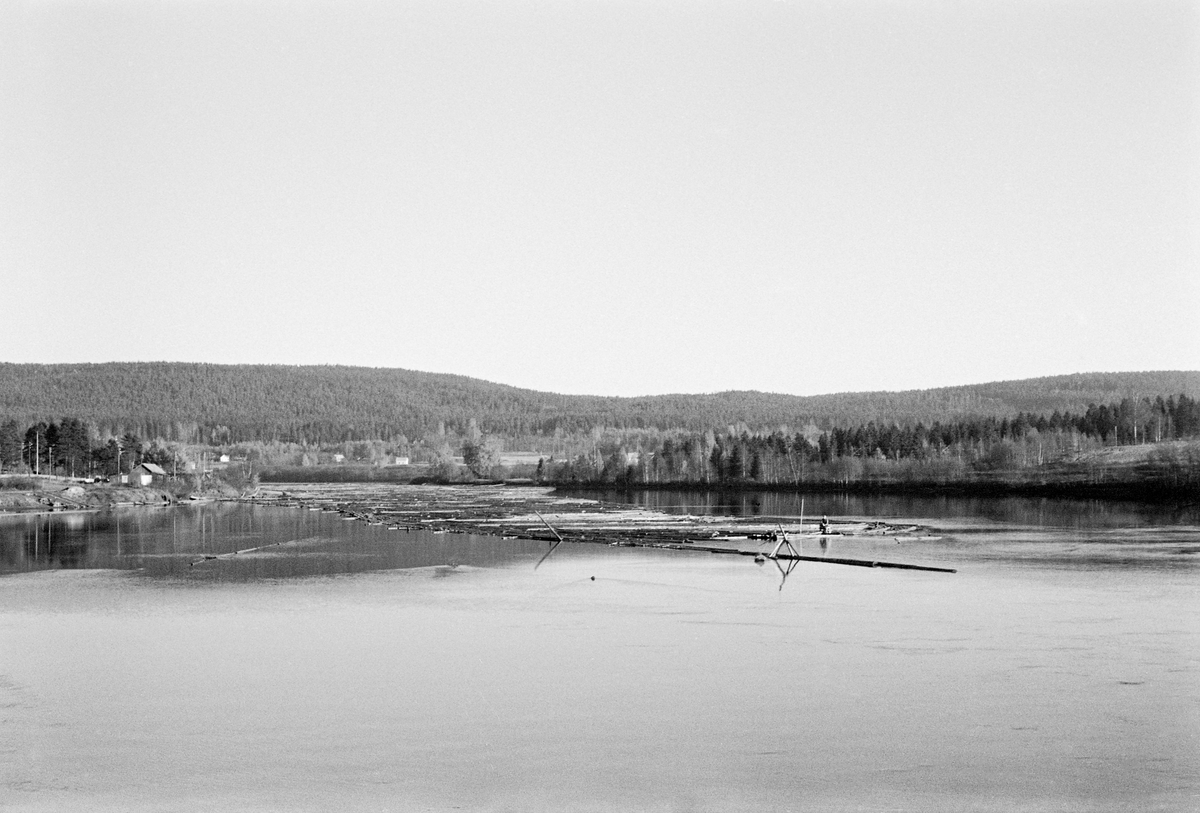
(223, 458)
(400, 460)
(144, 474)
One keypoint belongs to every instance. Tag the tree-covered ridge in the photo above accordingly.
(221, 404)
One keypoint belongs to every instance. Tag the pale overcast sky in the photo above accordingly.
(606, 197)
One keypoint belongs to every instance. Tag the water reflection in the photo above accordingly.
(981, 691)
(785, 569)
(1042, 512)
(239, 542)
(456, 688)
(233, 541)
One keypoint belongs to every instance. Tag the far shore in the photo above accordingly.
(25, 494)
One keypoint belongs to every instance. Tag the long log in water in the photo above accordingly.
(832, 560)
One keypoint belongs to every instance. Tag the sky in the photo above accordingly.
(595, 197)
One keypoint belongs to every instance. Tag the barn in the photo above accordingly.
(145, 474)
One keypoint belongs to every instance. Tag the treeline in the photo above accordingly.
(935, 453)
(1130, 421)
(220, 405)
(70, 448)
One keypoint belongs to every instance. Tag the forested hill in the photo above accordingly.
(230, 403)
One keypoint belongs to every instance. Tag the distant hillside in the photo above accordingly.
(230, 403)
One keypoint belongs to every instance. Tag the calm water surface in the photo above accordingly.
(335, 664)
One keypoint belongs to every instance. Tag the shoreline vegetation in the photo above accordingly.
(1166, 472)
(1136, 446)
(1119, 475)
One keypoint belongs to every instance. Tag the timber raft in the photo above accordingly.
(537, 513)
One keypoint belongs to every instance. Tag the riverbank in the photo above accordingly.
(53, 494)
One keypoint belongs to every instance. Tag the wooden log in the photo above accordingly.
(787, 557)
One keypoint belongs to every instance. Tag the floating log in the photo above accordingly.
(788, 557)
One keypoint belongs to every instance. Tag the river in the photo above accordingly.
(334, 664)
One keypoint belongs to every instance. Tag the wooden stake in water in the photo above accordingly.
(783, 540)
(552, 547)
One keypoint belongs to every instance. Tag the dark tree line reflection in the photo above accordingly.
(1042, 512)
(231, 541)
